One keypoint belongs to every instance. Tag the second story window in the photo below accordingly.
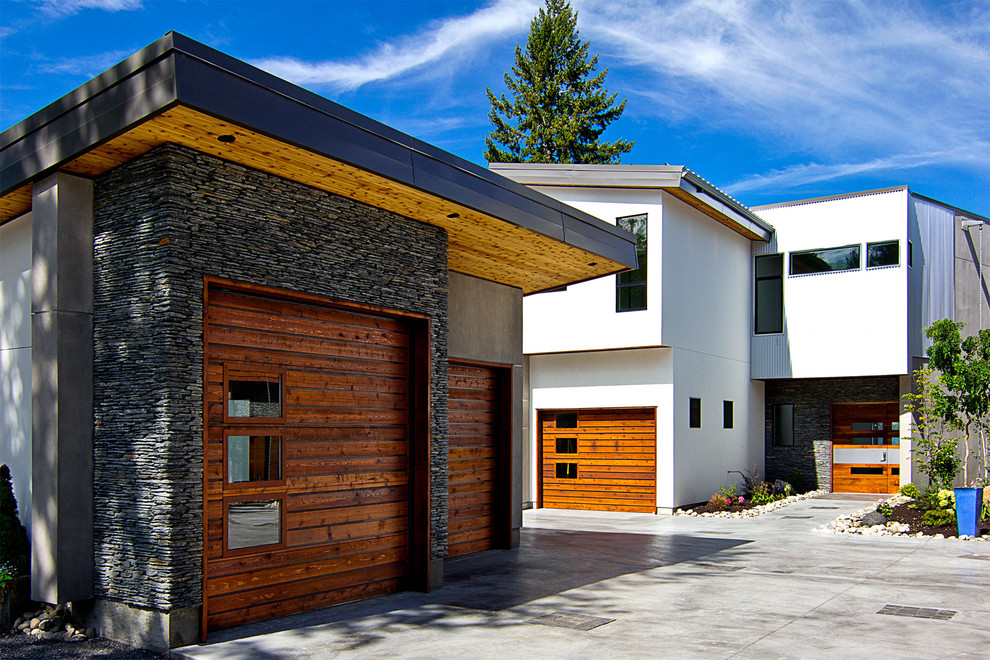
(630, 287)
(769, 294)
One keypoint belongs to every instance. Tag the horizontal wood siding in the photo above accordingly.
(472, 477)
(344, 493)
(615, 458)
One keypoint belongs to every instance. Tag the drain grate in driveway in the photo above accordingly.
(824, 507)
(917, 612)
(798, 517)
(571, 621)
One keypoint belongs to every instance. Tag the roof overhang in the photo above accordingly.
(674, 179)
(178, 90)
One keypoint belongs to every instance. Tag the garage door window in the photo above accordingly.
(254, 395)
(566, 445)
(253, 524)
(567, 470)
(253, 458)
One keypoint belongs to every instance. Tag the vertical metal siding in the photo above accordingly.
(770, 355)
(933, 253)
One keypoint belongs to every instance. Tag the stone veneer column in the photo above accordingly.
(62, 389)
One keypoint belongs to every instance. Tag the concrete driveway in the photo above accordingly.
(595, 584)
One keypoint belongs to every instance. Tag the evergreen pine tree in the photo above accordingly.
(14, 547)
(559, 106)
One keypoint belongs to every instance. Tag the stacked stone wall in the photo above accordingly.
(162, 223)
(812, 399)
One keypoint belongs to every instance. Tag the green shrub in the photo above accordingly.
(939, 517)
(727, 493)
(15, 550)
(910, 490)
(884, 508)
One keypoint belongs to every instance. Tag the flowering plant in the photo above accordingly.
(884, 508)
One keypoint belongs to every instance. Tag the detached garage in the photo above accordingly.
(281, 345)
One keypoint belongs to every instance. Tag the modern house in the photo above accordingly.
(260, 353)
(640, 393)
(842, 294)
(782, 335)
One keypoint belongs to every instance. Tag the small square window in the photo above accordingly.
(695, 413)
(567, 470)
(566, 421)
(566, 445)
(254, 458)
(253, 523)
(727, 414)
(254, 395)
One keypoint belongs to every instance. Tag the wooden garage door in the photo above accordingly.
(599, 459)
(307, 457)
(472, 467)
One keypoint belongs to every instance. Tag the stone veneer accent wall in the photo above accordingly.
(161, 223)
(812, 399)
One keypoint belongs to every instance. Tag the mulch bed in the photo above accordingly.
(903, 513)
(706, 508)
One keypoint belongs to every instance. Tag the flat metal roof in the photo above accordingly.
(176, 78)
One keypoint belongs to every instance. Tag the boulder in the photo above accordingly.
(874, 518)
(781, 487)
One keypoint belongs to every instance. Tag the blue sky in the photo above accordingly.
(770, 101)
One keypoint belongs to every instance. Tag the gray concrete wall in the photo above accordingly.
(486, 326)
(62, 393)
(971, 293)
(15, 359)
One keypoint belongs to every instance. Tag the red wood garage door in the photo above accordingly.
(307, 457)
(472, 467)
(601, 459)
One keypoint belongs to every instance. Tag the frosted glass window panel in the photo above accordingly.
(252, 524)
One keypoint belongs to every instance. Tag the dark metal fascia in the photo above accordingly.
(178, 70)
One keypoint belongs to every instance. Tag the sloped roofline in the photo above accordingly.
(675, 179)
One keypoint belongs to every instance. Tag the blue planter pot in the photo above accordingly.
(969, 506)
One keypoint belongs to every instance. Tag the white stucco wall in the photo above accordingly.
(705, 455)
(848, 323)
(583, 317)
(606, 379)
(15, 358)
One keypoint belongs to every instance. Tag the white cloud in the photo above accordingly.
(799, 175)
(87, 66)
(830, 79)
(440, 41)
(68, 7)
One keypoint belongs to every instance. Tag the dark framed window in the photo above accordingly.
(910, 254)
(566, 420)
(826, 260)
(566, 445)
(630, 286)
(886, 253)
(566, 470)
(769, 317)
(695, 413)
(783, 425)
(726, 414)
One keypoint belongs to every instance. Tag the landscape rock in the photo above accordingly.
(874, 518)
